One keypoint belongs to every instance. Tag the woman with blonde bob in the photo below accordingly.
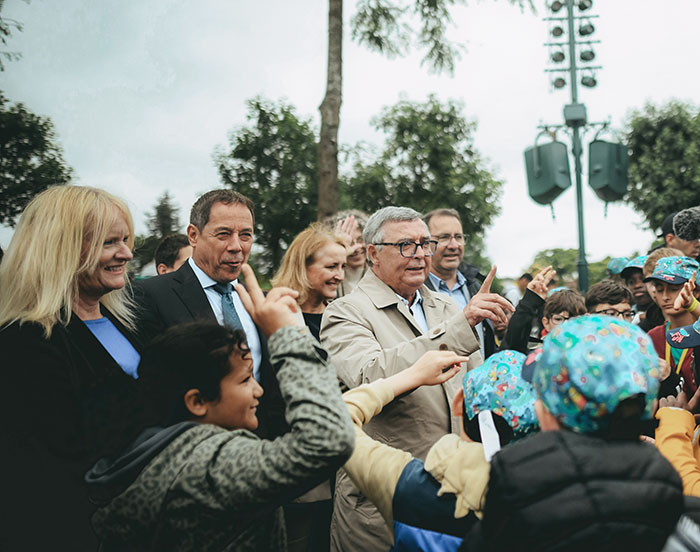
(314, 265)
(69, 361)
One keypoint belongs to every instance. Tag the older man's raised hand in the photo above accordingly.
(485, 304)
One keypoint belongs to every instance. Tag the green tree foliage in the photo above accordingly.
(273, 162)
(562, 260)
(390, 27)
(428, 161)
(664, 169)
(31, 159)
(565, 262)
(6, 27)
(162, 221)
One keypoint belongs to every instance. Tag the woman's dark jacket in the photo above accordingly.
(559, 490)
(64, 400)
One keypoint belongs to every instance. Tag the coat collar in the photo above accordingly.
(188, 288)
(382, 296)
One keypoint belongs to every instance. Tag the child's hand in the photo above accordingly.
(686, 297)
(345, 228)
(432, 368)
(270, 312)
(541, 280)
(681, 401)
(436, 367)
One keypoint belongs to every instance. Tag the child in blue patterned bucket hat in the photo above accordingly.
(585, 481)
(589, 365)
(497, 387)
(670, 276)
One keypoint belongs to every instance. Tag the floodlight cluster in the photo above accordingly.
(560, 50)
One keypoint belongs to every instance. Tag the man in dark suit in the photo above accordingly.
(221, 235)
(453, 277)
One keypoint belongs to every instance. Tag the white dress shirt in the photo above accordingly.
(214, 298)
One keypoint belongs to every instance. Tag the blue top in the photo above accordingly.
(116, 344)
(459, 292)
(423, 520)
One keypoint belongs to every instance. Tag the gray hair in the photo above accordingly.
(374, 229)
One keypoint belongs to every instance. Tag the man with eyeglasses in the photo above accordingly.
(384, 326)
(450, 275)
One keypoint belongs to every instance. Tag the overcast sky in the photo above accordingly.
(141, 92)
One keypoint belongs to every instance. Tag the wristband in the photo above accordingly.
(693, 305)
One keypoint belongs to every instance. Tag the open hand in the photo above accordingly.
(346, 228)
(539, 284)
(485, 304)
(686, 296)
(270, 312)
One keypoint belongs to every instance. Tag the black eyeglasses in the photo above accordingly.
(627, 315)
(445, 239)
(409, 248)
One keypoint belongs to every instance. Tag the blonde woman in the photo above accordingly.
(69, 361)
(314, 265)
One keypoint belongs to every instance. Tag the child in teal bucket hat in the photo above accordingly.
(585, 481)
(429, 504)
(499, 405)
(670, 276)
(589, 365)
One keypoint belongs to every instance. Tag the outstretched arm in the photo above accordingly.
(248, 473)
(375, 467)
(674, 439)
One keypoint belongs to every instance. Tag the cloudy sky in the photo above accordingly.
(141, 93)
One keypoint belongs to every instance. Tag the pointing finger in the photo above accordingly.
(486, 286)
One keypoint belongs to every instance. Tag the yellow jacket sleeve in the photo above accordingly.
(374, 467)
(674, 439)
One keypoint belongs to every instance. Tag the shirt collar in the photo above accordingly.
(439, 282)
(205, 280)
(417, 300)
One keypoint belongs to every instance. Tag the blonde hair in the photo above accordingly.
(657, 254)
(58, 240)
(299, 255)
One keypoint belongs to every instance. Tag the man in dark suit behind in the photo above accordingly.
(221, 235)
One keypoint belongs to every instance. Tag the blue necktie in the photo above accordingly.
(231, 318)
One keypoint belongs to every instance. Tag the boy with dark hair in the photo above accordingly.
(201, 479)
(633, 276)
(560, 306)
(172, 252)
(586, 481)
(609, 297)
(539, 303)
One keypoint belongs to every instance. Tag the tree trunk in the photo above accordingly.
(330, 115)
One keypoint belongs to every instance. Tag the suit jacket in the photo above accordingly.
(371, 334)
(474, 280)
(177, 298)
(66, 400)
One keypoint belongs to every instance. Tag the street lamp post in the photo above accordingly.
(581, 264)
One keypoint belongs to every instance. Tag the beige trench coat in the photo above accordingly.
(371, 334)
